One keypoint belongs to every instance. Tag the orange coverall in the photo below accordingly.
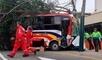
(20, 41)
(29, 35)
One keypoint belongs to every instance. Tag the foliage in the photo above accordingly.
(8, 23)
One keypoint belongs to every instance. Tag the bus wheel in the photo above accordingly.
(54, 46)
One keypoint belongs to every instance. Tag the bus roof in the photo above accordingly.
(52, 15)
(48, 15)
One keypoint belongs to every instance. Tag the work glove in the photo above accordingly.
(68, 37)
(100, 39)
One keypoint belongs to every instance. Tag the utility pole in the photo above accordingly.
(81, 32)
(74, 8)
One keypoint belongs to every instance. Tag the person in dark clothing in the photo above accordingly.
(88, 38)
(96, 35)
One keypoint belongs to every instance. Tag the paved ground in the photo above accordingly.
(57, 55)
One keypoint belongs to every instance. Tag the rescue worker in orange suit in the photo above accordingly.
(29, 35)
(20, 41)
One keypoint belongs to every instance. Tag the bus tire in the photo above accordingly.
(54, 46)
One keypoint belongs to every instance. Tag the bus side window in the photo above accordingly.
(38, 23)
(57, 20)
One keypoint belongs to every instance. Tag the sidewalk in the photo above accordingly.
(90, 53)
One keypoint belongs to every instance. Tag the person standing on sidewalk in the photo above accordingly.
(20, 41)
(96, 35)
(88, 38)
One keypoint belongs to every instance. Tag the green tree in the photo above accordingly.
(13, 9)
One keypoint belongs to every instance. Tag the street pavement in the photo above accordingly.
(56, 55)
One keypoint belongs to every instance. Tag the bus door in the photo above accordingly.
(64, 25)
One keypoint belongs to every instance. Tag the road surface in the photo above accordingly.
(50, 55)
